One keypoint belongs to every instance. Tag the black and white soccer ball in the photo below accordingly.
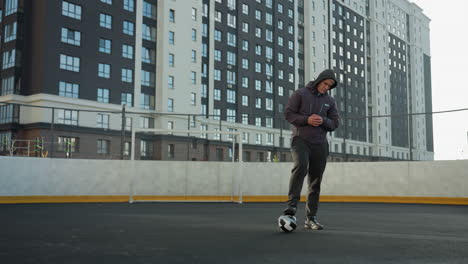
(287, 223)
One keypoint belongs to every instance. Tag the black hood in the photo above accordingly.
(326, 74)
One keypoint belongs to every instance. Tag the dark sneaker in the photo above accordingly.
(290, 210)
(313, 224)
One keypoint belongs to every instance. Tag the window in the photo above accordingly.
(258, 85)
(231, 41)
(268, 87)
(171, 60)
(217, 75)
(129, 5)
(9, 59)
(8, 86)
(204, 91)
(170, 151)
(280, 57)
(231, 58)
(217, 55)
(245, 45)
(269, 104)
(218, 16)
(103, 121)
(231, 96)
(10, 32)
(127, 51)
(67, 117)
(170, 105)
(258, 14)
(269, 122)
(68, 63)
(147, 55)
(146, 122)
(104, 70)
(146, 101)
(245, 119)
(149, 10)
(269, 139)
(258, 139)
(127, 148)
(258, 103)
(269, 52)
(145, 148)
(217, 94)
(194, 34)
(147, 78)
(67, 144)
(127, 75)
(68, 9)
(126, 98)
(231, 77)
(68, 89)
(245, 100)
(68, 36)
(170, 82)
(280, 40)
(171, 15)
(245, 82)
(218, 35)
(245, 9)
(149, 33)
(269, 36)
(194, 14)
(193, 77)
(258, 67)
(280, 24)
(103, 146)
(128, 28)
(103, 95)
(105, 21)
(231, 20)
(107, 1)
(258, 32)
(231, 116)
(105, 45)
(245, 64)
(193, 98)
(245, 27)
(194, 56)
(205, 30)
(231, 4)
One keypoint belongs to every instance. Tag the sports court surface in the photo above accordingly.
(230, 233)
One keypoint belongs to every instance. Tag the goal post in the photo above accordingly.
(139, 192)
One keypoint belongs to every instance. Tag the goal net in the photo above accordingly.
(196, 181)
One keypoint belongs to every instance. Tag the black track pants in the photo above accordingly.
(308, 159)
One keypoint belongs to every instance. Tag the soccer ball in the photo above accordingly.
(287, 223)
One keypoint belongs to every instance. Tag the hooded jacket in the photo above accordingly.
(308, 101)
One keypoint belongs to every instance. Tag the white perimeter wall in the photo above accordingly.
(61, 177)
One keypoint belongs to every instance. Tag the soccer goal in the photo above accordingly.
(185, 181)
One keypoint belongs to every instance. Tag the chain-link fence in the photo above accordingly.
(94, 133)
(57, 132)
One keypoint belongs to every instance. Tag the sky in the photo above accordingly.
(449, 59)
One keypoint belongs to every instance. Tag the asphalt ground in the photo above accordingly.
(230, 233)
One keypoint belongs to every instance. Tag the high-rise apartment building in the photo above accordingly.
(227, 65)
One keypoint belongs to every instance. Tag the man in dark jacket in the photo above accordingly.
(313, 113)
